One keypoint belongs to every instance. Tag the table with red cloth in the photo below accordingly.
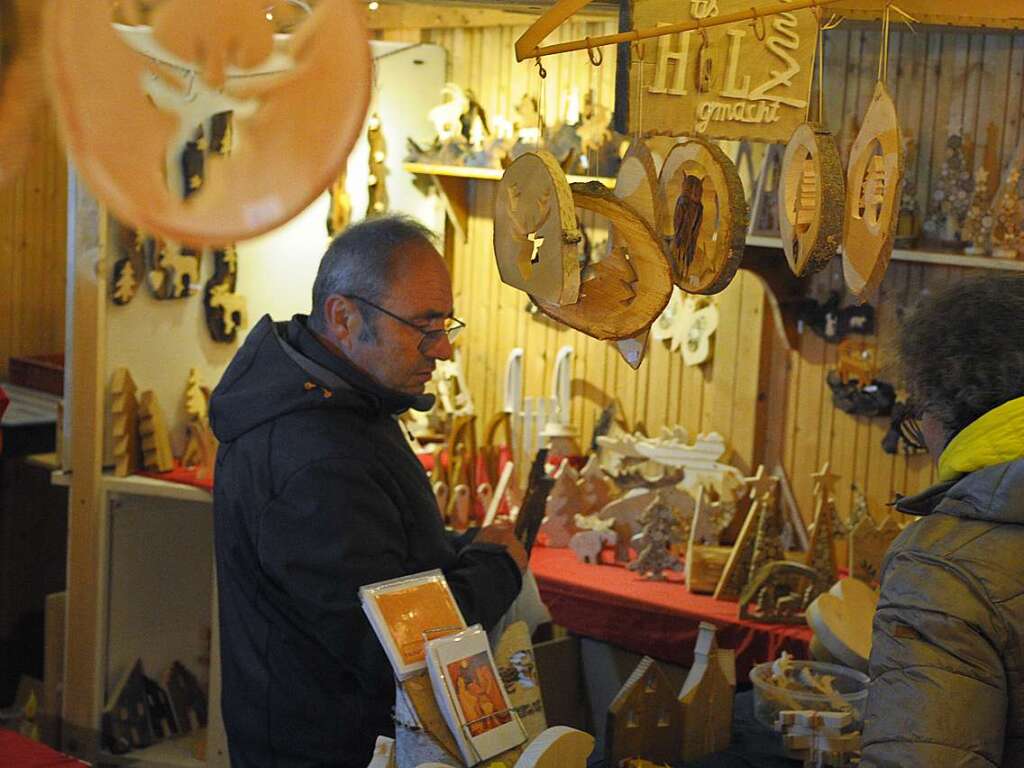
(16, 751)
(655, 618)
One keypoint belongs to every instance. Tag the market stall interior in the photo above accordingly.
(682, 240)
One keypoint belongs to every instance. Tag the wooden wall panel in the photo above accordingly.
(33, 227)
(772, 405)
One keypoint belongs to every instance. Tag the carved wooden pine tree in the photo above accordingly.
(659, 532)
(821, 552)
(125, 411)
(951, 195)
(156, 444)
(1006, 234)
(977, 228)
(201, 447)
(807, 209)
(125, 282)
(768, 542)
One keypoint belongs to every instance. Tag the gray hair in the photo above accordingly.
(362, 260)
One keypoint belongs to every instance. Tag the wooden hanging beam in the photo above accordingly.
(528, 46)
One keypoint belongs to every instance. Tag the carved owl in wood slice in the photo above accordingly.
(21, 81)
(708, 233)
(130, 98)
(811, 188)
(873, 182)
(536, 238)
(622, 294)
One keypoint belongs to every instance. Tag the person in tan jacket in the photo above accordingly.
(947, 659)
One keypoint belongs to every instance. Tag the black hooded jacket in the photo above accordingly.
(316, 494)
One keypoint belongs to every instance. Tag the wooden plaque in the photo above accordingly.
(536, 237)
(621, 295)
(736, 86)
(721, 237)
(873, 183)
(21, 81)
(129, 101)
(811, 189)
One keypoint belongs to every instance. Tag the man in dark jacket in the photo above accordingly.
(317, 493)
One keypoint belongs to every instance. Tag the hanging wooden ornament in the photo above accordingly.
(873, 182)
(637, 184)
(21, 81)
(623, 293)
(810, 190)
(199, 60)
(700, 320)
(536, 238)
(709, 214)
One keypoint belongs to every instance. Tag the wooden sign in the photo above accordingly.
(811, 189)
(130, 99)
(749, 80)
(873, 183)
(699, 175)
(536, 237)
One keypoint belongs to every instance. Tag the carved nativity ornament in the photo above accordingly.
(131, 99)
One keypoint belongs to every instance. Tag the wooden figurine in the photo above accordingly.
(126, 723)
(868, 544)
(376, 179)
(201, 445)
(660, 532)
(125, 410)
(768, 540)
(908, 225)
(765, 209)
(339, 214)
(841, 619)
(818, 738)
(441, 495)
(706, 698)
(129, 266)
(156, 444)
(187, 698)
(977, 227)
(704, 562)
(172, 270)
(722, 234)
(531, 514)
(780, 592)
(597, 490)
(1006, 228)
(763, 490)
(643, 718)
(873, 182)
(951, 194)
(857, 360)
(518, 669)
(536, 238)
(127, 136)
(811, 187)
(563, 503)
(821, 554)
(626, 291)
(224, 309)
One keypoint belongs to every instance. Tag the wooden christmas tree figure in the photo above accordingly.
(201, 447)
(763, 493)
(564, 501)
(125, 282)
(821, 554)
(768, 541)
(1006, 234)
(977, 228)
(951, 195)
(156, 444)
(660, 531)
(125, 410)
(596, 488)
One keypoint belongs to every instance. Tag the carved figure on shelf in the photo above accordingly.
(951, 194)
(447, 117)
(737, 570)
(821, 553)
(223, 308)
(129, 266)
(587, 544)
(563, 502)
(818, 738)
(660, 531)
(201, 445)
(705, 561)
(1006, 229)
(977, 227)
(339, 214)
(156, 444)
(780, 592)
(125, 410)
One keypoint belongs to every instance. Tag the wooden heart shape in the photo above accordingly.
(811, 187)
(21, 81)
(536, 238)
(841, 619)
(126, 116)
(621, 295)
(700, 171)
(873, 182)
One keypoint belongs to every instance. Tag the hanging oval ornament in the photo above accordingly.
(625, 291)
(811, 187)
(536, 238)
(708, 216)
(873, 181)
(637, 184)
(21, 81)
(132, 100)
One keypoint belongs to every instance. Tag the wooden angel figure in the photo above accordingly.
(977, 227)
(1006, 233)
(660, 531)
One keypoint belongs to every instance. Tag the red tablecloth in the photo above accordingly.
(658, 619)
(18, 752)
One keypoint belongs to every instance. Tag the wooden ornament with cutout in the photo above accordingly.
(127, 136)
(623, 293)
(810, 190)
(536, 237)
(637, 184)
(873, 184)
(721, 236)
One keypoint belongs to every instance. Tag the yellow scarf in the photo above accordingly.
(994, 438)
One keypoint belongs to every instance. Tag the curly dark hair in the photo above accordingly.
(961, 351)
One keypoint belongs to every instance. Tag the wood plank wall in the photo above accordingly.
(772, 406)
(33, 227)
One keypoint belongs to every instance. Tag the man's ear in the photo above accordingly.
(341, 319)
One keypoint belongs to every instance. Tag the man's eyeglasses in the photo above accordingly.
(451, 326)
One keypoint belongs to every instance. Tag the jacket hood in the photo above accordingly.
(281, 368)
(993, 438)
(994, 494)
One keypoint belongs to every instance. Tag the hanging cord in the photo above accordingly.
(883, 59)
(638, 56)
(540, 103)
(833, 22)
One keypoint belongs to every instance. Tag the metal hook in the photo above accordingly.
(758, 23)
(595, 60)
(637, 50)
(540, 69)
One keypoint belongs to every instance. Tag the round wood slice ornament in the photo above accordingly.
(841, 619)
(129, 101)
(637, 184)
(811, 194)
(536, 238)
(21, 81)
(708, 216)
(623, 293)
(873, 182)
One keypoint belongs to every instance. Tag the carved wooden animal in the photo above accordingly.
(125, 410)
(563, 503)
(587, 545)
(156, 444)
(232, 306)
(706, 698)
(643, 718)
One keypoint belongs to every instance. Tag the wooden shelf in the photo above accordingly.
(170, 753)
(137, 485)
(942, 258)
